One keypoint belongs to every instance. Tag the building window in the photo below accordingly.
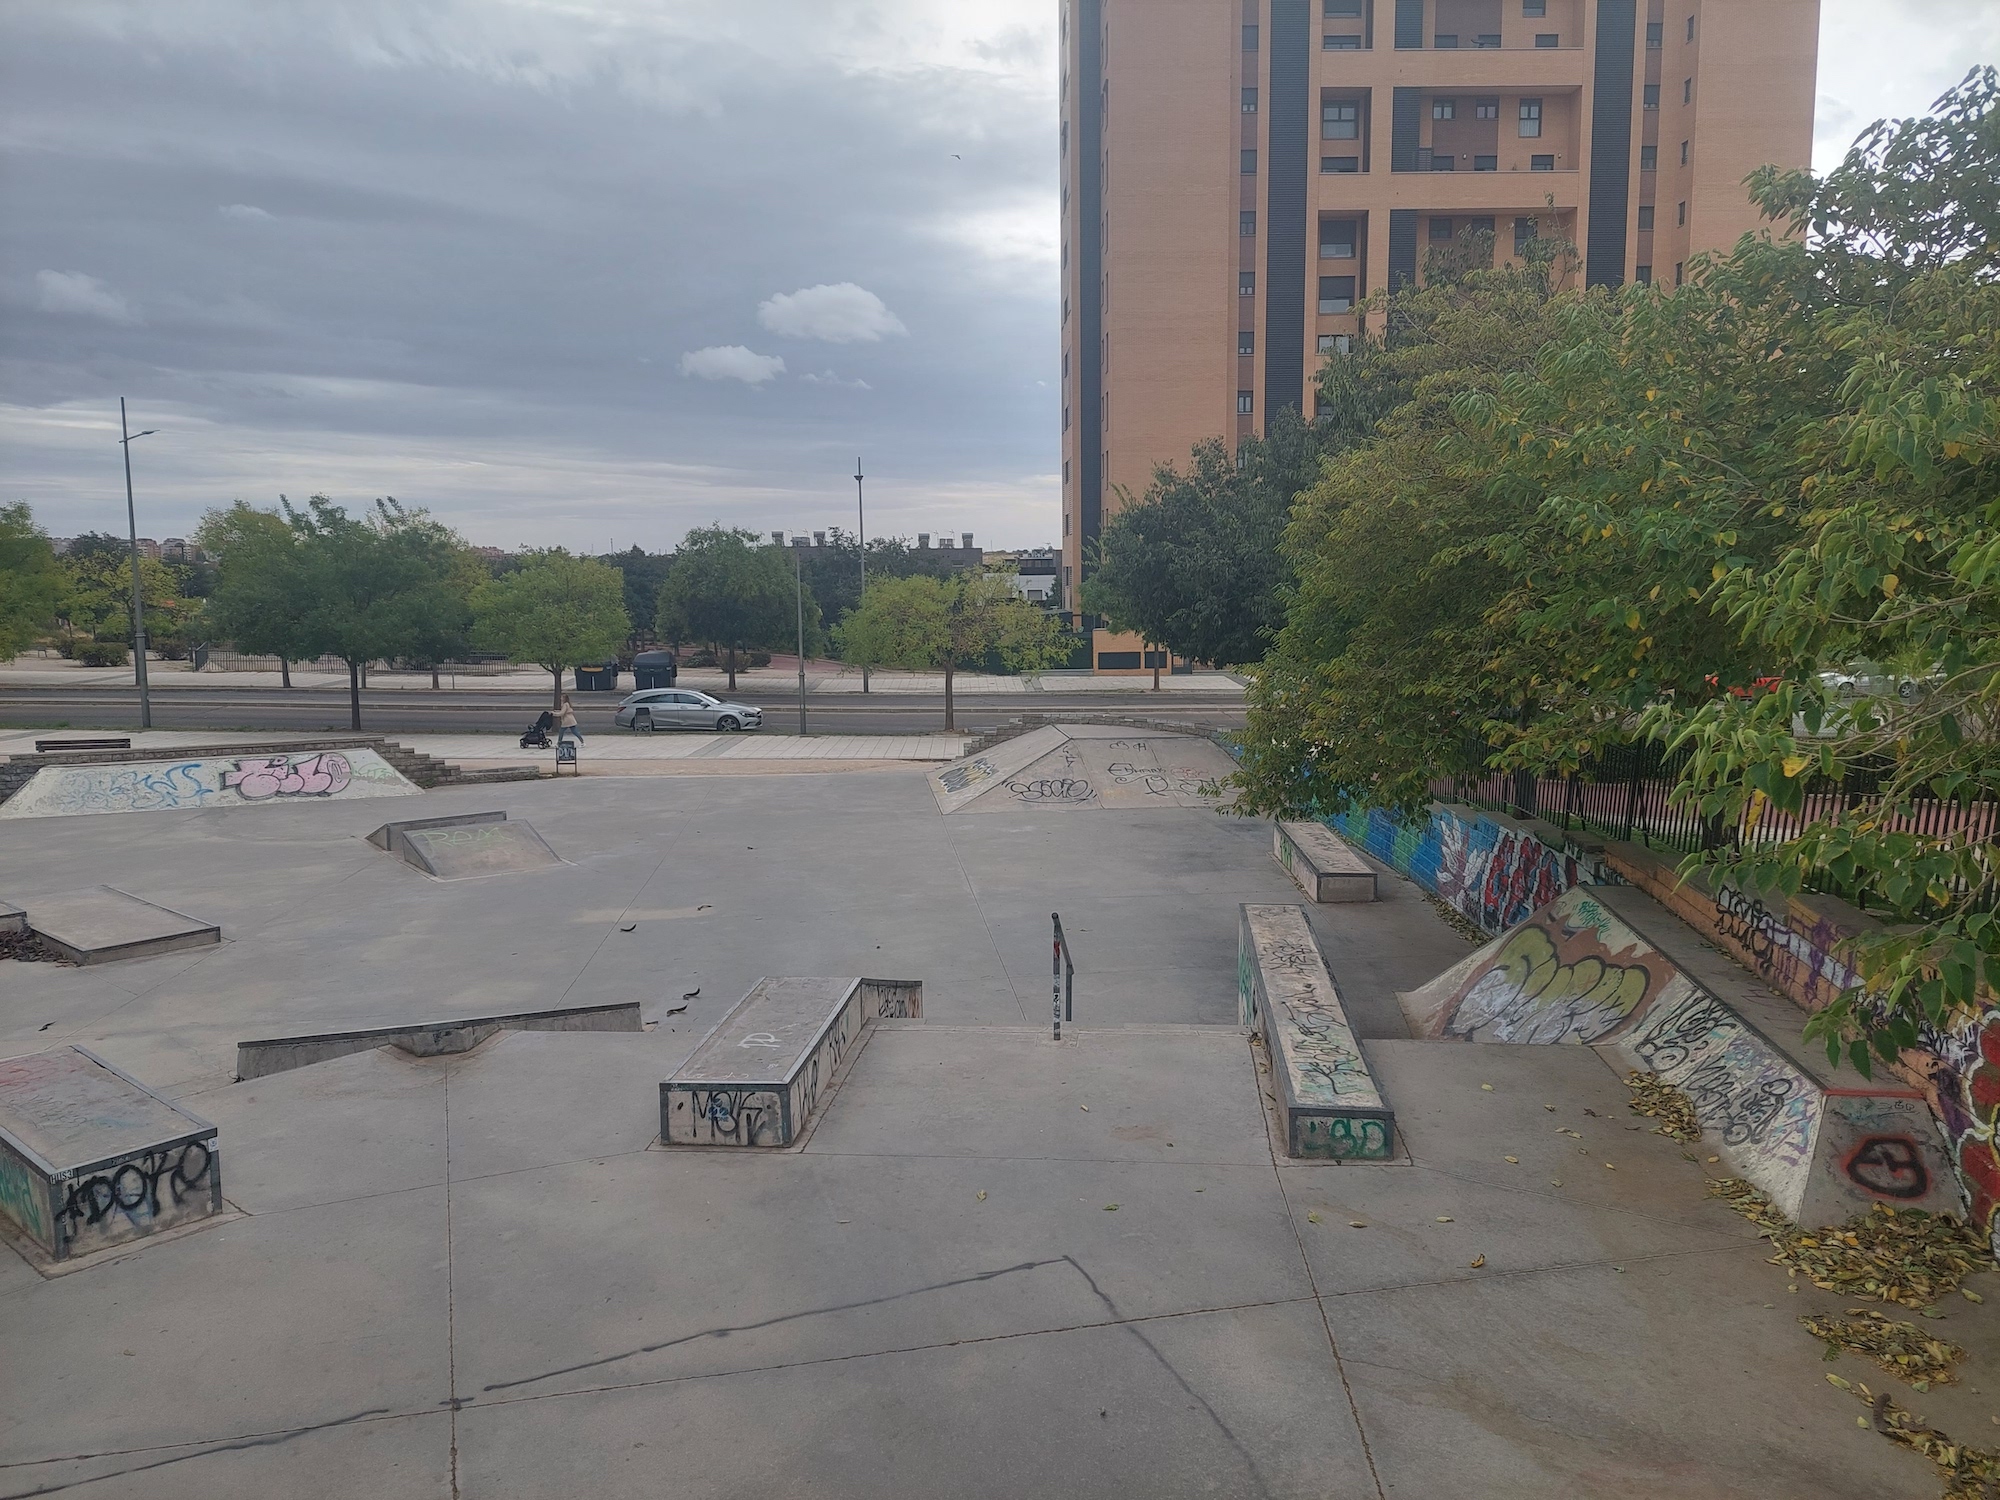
(1336, 294)
(1445, 39)
(1485, 163)
(1681, 213)
(1653, 36)
(1249, 163)
(1690, 35)
(1479, 226)
(1541, 163)
(1065, 419)
(1643, 275)
(1065, 471)
(1444, 109)
(1687, 91)
(1340, 121)
(1531, 117)
(1649, 158)
(1486, 109)
(1246, 403)
(1246, 342)
(1548, 39)
(1441, 229)
(1065, 364)
(1249, 38)
(1342, 8)
(1246, 283)
(1487, 39)
(1336, 239)
(1340, 164)
(1341, 41)
(1524, 235)
(1652, 96)
(1645, 216)
(1677, 273)
(1117, 661)
(1336, 343)
(1065, 526)
(1249, 101)
(1445, 163)
(1684, 153)
(1534, 7)
(1246, 224)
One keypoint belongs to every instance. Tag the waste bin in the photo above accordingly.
(654, 669)
(599, 679)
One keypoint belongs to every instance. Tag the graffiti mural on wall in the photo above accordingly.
(1968, 1095)
(1797, 958)
(279, 776)
(166, 786)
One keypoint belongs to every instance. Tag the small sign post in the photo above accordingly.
(566, 756)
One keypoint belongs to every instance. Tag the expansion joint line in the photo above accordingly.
(450, 1292)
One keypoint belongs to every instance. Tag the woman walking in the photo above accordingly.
(566, 722)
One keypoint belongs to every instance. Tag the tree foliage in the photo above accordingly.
(255, 605)
(554, 610)
(30, 582)
(729, 590)
(946, 624)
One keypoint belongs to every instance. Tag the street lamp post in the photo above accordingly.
(125, 440)
(861, 525)
(799, 571)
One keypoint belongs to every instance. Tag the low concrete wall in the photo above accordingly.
(1322, 864)
(259, 1059)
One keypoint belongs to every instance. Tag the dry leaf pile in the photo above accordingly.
(1458, 922)
(1659, 1100)
(1903, 1256)
(1968, 1473)
(1903, 1349)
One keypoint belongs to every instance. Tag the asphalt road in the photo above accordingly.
(464, 711)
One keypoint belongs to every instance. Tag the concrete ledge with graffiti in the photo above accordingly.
(172, 785)
(757, 1077)
(1329, 1101)
(90, 1158)
(1086, 767)
(1322, 864)
(1582, 971)
(1492, 869)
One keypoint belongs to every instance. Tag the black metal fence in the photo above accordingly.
(1627, 793)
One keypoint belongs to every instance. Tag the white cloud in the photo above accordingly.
(74, 292)
(839, 314)
(828, 377)
(247, 212)
(732, 362)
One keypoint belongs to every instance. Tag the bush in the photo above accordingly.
(102, 653)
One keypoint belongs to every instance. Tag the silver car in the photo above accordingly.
(683, 708)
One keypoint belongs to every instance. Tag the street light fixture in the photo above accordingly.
(861, 529)
(126, 438)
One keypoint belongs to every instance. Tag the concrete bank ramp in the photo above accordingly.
(1085, 766)
(1330, 1104)
(165, 785)
(280, 1054)
(91, 1158)
(467, 846)
(101, 924)
(1581, 970)
(756, 1078)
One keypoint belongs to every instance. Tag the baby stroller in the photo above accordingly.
(537, 737)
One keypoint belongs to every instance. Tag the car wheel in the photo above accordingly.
(729, 723)
(1907, 689)
(643, 721)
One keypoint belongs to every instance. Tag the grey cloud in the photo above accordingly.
(64, 292)
(732, 362)
(840, 314)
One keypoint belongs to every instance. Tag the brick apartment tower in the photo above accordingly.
(1237, 175)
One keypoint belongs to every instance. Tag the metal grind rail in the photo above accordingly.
(1063, 986)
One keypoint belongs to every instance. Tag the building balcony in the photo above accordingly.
(1493, 70)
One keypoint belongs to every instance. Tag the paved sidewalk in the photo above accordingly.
(623, 748)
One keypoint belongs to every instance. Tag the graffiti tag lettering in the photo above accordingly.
(1890, 1166)
(1055, 789)
(277, 776)
(131, 1191)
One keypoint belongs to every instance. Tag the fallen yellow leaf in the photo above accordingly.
(1477, 1261)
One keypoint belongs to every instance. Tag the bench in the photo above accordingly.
(91, 1158)
(1327, 1099)
(756, 1078)
(43, 747)
(1325, 868)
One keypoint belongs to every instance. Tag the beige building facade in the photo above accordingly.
(1239, 176)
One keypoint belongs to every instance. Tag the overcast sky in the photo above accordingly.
(579, 271)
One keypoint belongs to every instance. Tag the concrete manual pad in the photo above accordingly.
(1325, 868)
(102, 924)
(472, 850)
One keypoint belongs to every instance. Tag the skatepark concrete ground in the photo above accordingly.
(998, 1267)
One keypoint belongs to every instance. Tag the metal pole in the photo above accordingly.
(1056, 1005)
(138, 596)
(861, 524)
(799, 570)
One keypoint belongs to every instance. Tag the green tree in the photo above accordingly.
(943, 624)
(1197, 565)
(371, 588)
(553, 610)
(30, 581)
(96, 594)
(729, 591)
(256, 604)
(642, 573)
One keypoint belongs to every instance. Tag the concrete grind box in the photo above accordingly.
(757, 1077)
(91, 1158)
